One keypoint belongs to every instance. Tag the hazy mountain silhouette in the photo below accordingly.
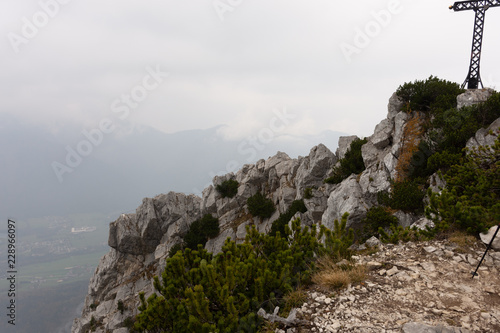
(123, 168)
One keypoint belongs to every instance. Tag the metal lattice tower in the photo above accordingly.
(473, 79)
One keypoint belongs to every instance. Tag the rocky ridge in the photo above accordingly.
(140, 242)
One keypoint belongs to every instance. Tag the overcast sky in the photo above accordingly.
(229, 61)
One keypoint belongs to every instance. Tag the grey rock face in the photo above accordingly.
(347, 197)
(405, 219)
(375, 179)
(371, 155)
(394, 107)
(423, 223)
(316, 205)
(344, 144)
(437, 183)
(373, 241)
(485, 136)
(141, 232)
(383, 134)
(118, 276)
(399, 123)
(475, 96)
(313, 168)
(356, 195)
(140, 242)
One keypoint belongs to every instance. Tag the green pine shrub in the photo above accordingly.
(200, 292)
(451, 128)
(308, 193)
(228, 188)
(260, 206)
(93, 324)
(442, 160)
(488, 111)
(418, 169)
(120, 306)
(406, 195)
(351, 163)
(129, 323)
(338, 241)
(200, 231)
(455, 127)
(398, 234)
(174, 249)
(377, 217)
(470, 201)
(282, 221)
(337, 245)
(429, 94)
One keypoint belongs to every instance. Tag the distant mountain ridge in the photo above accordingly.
(122, 169)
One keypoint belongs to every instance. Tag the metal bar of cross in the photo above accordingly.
(473, 79)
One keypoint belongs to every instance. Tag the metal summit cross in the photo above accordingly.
(479, 6)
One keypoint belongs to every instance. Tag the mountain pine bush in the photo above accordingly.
(351, 163)
(201, 230)
(259, 205)
(282, 221)
(377, 217)
(338, 241)
(471, 199)
(406, 195)
(430, 94)
(228, 188)
(200, 292)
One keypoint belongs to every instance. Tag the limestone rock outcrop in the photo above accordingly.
(357, 194)
(485, 136)
(473, 96)
(488, 236)
(165, 215)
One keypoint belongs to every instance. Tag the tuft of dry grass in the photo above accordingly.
(332, 276)
(268, 327)
(294, 299)
(358, 274)
(463, 241)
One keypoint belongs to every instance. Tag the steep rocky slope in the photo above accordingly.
(140, 242)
